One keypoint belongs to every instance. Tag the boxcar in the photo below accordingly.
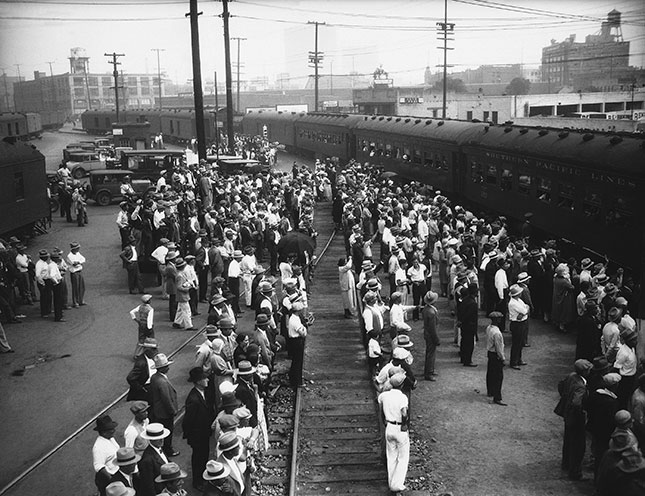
(274, 126)
(327, 135)
(13, 125)
(23, 187)
(179, 126)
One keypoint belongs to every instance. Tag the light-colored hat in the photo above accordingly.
(139, 406)
(146, 298)
(403, 341)
(126, 456)
(228, 441)
(161, 360)
(242, 413)
(215, 470)
(611, 379)
(238, 254)
(118, 489)
(155, 431)
(400, 353)
(586, 263)
(149, 343)
(227, 387)
(430, 297)
(515, 290)
(523, 277)
(397, 380)
(245, 368)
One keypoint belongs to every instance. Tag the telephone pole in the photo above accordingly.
(444, 28)
(197, 81)
(315, 58)
(238, 70)
(216, 122)
(19, 86)
(115, 74)
(53, 100)
(158, 72)
(229, 92)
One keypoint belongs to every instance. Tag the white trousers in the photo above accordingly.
(183, 317)
(247, 281)
(398, 456)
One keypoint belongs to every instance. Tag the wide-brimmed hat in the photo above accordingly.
(523, 277)
(228, 441)
(149, 343)
(155, 431)
(211, 330)
(245, 368)
(227, 387)
(105, 423)
(611, 289)
(242, 413)
(146, 298)
(180, 263)
(262, 319)
(600, 364)
(259, 269)
(430, 297)
(171, 255)
(169, 472)
(611, 379)
(515, 290)
(248, 250)
(629, 336)
(43, 253)
(215, 470)
(230, 400)
(196, 374)
(126, 456)
(74, 245)
(265, 287)
(614, 314)
(631, 460)
(621, 302)
(161, 360)
(225, 323)
(118, 489)
(289, 283)
(586, 263)
(367, 265)
(592, 293)
(622, 441)
(581, 366)
(217, 299)
(602, 279)
(495, 315)
(238, 254)
(403, 341)
(228, 421)
(295, 296)
(397, 380)
(372, 284)
(139, 406)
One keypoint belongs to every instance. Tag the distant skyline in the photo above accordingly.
(359, 35)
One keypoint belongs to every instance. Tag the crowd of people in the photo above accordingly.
(213, 240)
(399, 235)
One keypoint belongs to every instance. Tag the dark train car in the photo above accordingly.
(34, 125)
(23, 187)
(275, 126)
(13, 125)
(426, 150)
(99, 122)
(581, 187)
(327, 135)
(179, 126)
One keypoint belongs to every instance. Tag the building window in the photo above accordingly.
(93, 81)
(79, 81)
(524, 184)
(621, 212)
(96, 122)
(106, 81)
(494, 116)
(145, 90)
(9, 131)
(417, 156)
(79, 92)
(486, 113)
(469, 115)
(132, 81)
(543, 190)
(19, 185)
(172, 127)
(145, 81)
(17, 128)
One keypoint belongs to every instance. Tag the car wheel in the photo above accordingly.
(103, 198)
(78, 173)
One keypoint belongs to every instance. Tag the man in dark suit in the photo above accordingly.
(130, 256)
(467, 315)
(171, 283)
(216, 261)
(142, 371)
(202, 267)
(164, 401)
(127, 460)
(573, 395)
(152, 459)
(197, 424)
(245, 392)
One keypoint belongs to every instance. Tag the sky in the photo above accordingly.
(358, 35)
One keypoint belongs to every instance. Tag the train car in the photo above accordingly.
(327, 135)
(583, 187)
(273, 125)
(13, 125)
(34, 125)
(99, 122)
(23, 188)
(179, 126)
(426, 150)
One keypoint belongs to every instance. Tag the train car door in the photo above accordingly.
(350, 141)
(458, 173)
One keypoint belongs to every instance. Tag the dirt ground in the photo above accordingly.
(469, 446)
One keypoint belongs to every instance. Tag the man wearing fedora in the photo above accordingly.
(170, 278)
(126, 461)
(118, 488)
(467, 314)
(495, 352)
(183, 318)
(523, 279)
(245, 391)
(196, 424)
(76, 262)
(104, 452)
(230, 448)
(143, 369)
(611, 335)
(164, 400)
(138, 423)
(171, 477)
(218, 480)
(430, 317)
(518, 317)
(143, 315)
(234, 275)
(130, 258)
(152, 459)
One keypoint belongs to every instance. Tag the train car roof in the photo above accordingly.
(272, 116)
(602, 151)
(11, 116)
(348, 121)
(429, 128)
(16, 153)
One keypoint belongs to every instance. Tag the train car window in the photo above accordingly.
(524, 184)
(19, 185)
(566, 196)
(397, 152)
(621, 212)
(591, 206)
(444, 162)
(507, 180)
(476, 173)
(491, 174)
(172, 127)
(9, 133)
(388, 150)
(406, 152)
(427, 159)
(543, 190)
(417, 156)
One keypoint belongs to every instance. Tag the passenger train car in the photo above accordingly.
(23, 188)
(580, 186)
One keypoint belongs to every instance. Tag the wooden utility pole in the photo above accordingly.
(444, 28)
(158, 72)
(115, 74)
(315, 59)
(238, 71)
(197, 81)
(229, 90)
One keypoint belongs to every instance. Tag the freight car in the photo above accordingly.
(23, 188)
(580, 186)
(20, 125)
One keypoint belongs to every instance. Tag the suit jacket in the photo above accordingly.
(237, 483)
(171, 276)
(467, 313)
(164, 397)
(118, 477)
(198, 417)
(137, 379)
(430, 323)
(149, 468)
(216, 262)
(246, 394)
(573, 394)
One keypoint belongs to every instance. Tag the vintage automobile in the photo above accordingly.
(105, 186)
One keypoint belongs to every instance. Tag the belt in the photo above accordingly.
(395, 423)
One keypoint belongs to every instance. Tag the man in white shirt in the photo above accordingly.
(123, 224)
(159, 255)
(234, 273)
(22, 263)
(44, 283)
(501, 289)
(247, 268)
(104, 452)
(76, 261)
(58, 289)
(138, 424)
(518, 316)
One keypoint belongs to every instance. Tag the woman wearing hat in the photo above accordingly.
(563, 305)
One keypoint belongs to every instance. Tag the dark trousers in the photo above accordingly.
(518, 329)
(102, 481)
(59, 300)
(467, 347)
(45, 291)
(199, 457)
(494, 376)
(418, 291)
(125, 234)
(192, 292)
(573, 447)
(23, 286)
(234, 286)
(134, 277)
(168, 423)
(202, 276)
(431, 353)
(172, 306)
(297, 350)
(502, 307)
